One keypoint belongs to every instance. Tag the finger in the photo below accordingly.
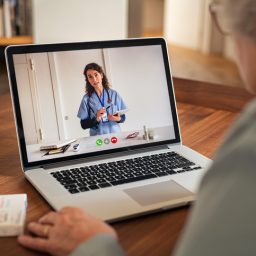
(70, 209)
(34, 243)
(49, 218)
(39, 229)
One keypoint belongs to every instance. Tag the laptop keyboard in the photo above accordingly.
(124, 171)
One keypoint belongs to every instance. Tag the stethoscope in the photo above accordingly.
(101, 101)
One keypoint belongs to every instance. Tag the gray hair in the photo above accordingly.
(242, 16)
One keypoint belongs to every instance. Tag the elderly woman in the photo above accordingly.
(223, 219)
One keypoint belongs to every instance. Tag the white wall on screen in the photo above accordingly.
(138, 74)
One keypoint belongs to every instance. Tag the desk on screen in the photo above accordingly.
(88, 144)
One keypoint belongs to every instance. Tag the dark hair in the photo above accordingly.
(94, 66)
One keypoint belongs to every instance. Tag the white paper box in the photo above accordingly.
(12, 214)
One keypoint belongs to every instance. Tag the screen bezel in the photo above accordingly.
(24, 49)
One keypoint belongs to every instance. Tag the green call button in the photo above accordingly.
(99, 142)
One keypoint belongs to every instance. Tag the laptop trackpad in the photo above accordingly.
(157, 193)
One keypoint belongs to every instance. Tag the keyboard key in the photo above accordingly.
(91, 182)
(101, 180)
(83, 189)
(160, 174)
(73, 186)
(171, 172)
(93, 187)
(68, 182)
(73, 191)
(104, 185)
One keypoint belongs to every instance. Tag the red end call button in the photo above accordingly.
(114, 139)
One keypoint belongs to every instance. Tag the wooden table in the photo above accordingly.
(205, 112)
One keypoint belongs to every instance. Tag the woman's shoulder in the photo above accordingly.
(86, 96)
(247, 116)
(113, 92)
(241, 133)
(250, 108)
(110, 90)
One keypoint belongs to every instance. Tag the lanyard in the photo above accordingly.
(101, 101)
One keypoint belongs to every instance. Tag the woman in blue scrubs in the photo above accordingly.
(99, 106)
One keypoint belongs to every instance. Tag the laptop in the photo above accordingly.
(140, 166)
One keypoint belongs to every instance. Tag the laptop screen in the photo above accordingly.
(87, 99)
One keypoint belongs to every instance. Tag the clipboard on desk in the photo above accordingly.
(121, 112)
(58, 150)
(56, 145)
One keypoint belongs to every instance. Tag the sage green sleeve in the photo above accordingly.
(102, 245)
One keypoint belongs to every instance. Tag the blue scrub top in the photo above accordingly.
(90, 105)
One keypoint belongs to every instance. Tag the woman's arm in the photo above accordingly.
(88, 123)
(92, 122)
(122, 119)
(118, 101)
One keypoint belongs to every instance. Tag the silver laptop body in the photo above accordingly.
(47, 86)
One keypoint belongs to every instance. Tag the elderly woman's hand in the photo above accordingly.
(59, 233)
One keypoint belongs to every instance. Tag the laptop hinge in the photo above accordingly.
(174, 145)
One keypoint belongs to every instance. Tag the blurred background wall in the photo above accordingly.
(197, 50)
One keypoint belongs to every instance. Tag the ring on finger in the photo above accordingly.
(46, 230)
